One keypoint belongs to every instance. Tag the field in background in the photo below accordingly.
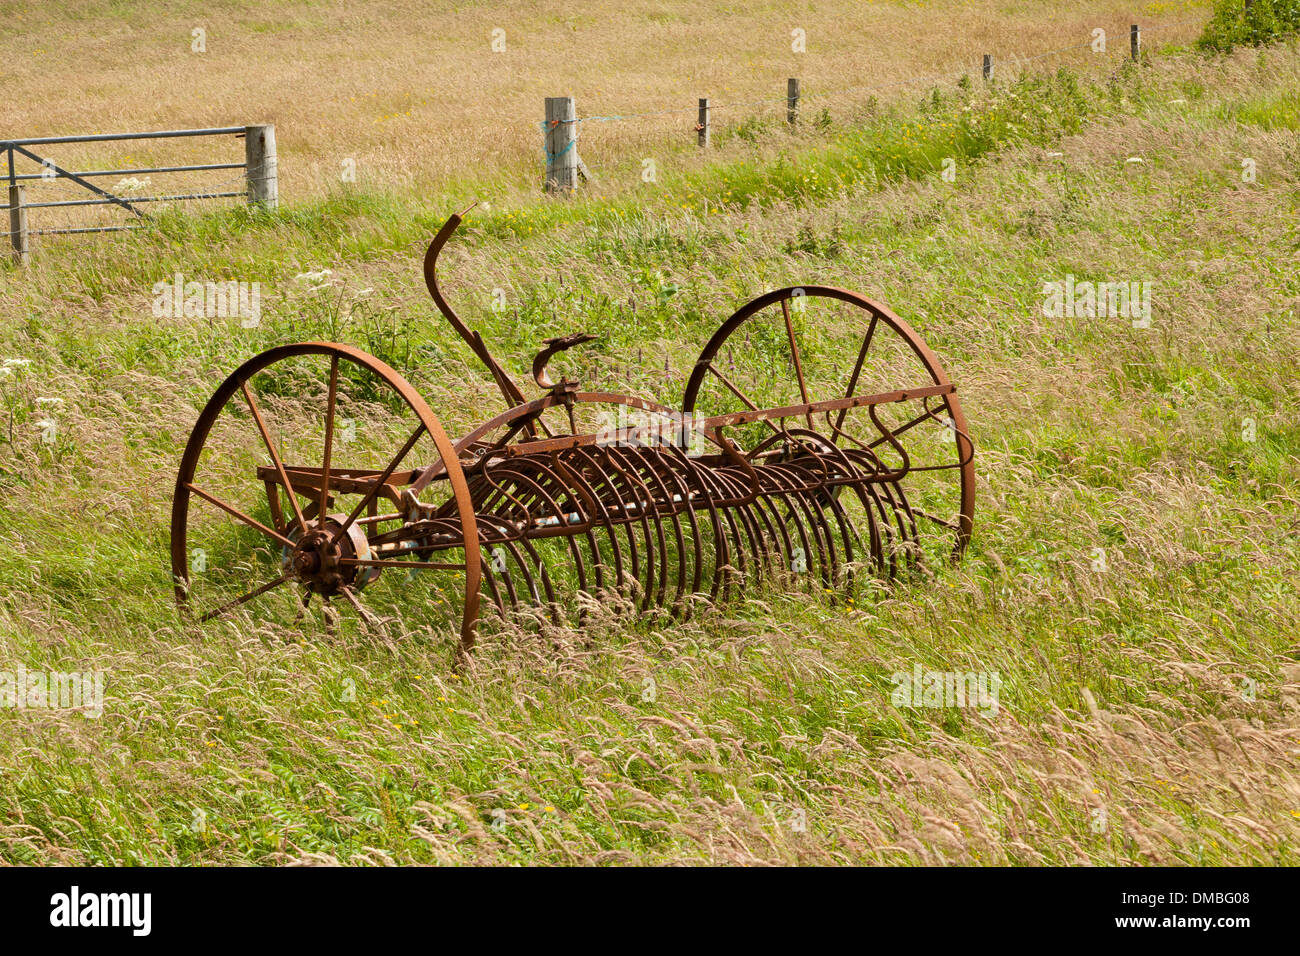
(415, 96)
(1132, 577)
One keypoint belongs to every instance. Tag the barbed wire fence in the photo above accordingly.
(564, 164)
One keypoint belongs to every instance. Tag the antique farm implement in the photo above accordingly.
(818, 443)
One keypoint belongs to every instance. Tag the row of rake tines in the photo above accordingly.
(665, 529)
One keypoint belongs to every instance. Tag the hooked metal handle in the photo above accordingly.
(558, 344)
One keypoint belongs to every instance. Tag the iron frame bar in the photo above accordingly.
(148, 169)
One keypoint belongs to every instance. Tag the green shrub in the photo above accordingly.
(1235, 24)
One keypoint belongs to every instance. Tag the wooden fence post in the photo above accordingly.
(561, 145)
(259, 157)
(702, 127)
(988, 67)
(1134, 41)
(18, 235)
(792, 100)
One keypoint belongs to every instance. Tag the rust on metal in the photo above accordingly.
(586, 492)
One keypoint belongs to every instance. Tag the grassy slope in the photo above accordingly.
(1123, 688)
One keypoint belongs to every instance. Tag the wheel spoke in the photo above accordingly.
(302, 607)
(275, 458)
(857, 369)
(270, 585)
(235, 512)
(740, 395)
(379, 483)
(361, 609)
(950, 525)
(794, 355)
(329, 438)
(403, 565)
(895, 432)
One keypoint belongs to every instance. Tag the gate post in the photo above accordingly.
(18, 235)
(260, 167)
(561, 131)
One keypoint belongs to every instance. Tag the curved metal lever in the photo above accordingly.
(475, 341)
(552, 346)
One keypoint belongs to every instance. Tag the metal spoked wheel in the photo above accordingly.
(897, 423)
(292, 484)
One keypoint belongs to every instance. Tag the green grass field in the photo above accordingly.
(1132, 577)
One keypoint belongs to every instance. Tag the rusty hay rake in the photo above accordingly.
(818, 443)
